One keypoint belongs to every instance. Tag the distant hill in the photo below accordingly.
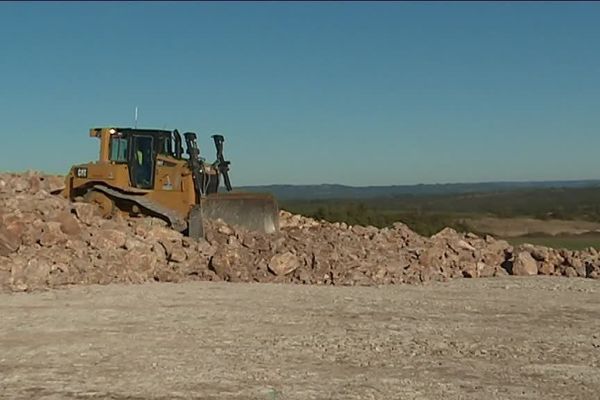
(332, 191)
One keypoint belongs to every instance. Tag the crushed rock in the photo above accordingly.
(47, 241)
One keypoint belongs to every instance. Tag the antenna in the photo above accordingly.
(136, 117)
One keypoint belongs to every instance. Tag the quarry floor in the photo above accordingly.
(498, 338)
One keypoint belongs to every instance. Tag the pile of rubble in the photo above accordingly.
(47, 241)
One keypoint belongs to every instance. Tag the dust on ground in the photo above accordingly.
(500, 338)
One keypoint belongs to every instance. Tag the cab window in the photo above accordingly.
(118, 149)
(142, 167)
(164, 146)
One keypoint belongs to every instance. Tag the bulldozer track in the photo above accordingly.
(175, 220)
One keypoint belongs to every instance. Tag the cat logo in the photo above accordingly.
(81, 172)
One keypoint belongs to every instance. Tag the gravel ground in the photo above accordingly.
(500, 338)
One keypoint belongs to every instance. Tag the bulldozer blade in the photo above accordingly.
(253, 211)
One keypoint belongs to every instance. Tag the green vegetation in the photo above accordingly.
(428, 214)
(571, 242)
(564, 203)
(362, 213)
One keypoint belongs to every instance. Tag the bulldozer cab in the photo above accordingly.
(138, 148)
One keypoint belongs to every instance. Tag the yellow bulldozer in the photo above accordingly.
(145, 172)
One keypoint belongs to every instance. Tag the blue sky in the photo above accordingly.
(352, 93)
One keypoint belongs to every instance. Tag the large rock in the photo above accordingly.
(220, 263)
(32, 274)
(577, 264)
(139, 265)
(9, 242)
(53, 184)
(52, 234)
(283, 264)
(177, 255)
(524, 264)
(546, 268)
(108, 239)
(570, 272)
(4, 276)
(33, 233)
(12, 228)
(86, 213)
(68, 224)
(132, 243)
(161, 233)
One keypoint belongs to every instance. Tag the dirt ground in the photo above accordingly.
(528, 338)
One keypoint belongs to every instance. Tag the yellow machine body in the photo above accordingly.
(170, 188)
